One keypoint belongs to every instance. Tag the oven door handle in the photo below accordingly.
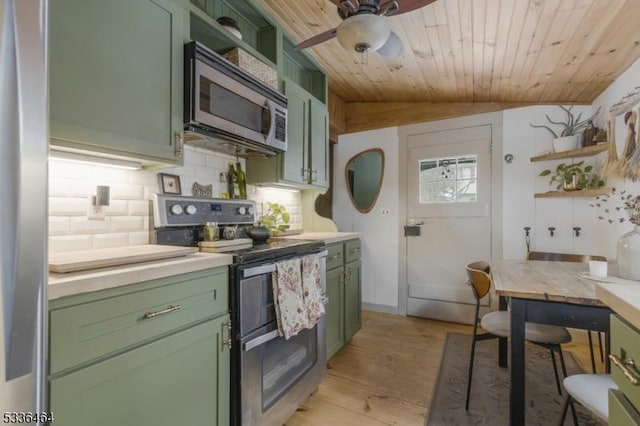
(258, 341)
(259, 270)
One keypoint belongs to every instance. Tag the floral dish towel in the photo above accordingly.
(291, 311)
(312, 288)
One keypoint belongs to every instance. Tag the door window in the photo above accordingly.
(448, 180)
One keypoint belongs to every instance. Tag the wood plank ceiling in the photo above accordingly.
(498, 52)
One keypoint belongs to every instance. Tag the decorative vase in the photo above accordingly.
(629, 254)
(565, 143)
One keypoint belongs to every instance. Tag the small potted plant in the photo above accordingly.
(275, 213)
(573, 177)
(567, 139)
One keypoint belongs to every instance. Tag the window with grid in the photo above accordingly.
(449, 180)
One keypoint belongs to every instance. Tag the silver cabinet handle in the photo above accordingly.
(355, 250)
(336, 256)
(226, 342)
(324, 300)
(627, 366)
(261, 340)
(168, 310)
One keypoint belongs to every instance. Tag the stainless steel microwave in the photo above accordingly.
(228, 109)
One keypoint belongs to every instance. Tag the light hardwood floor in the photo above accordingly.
(386, 374)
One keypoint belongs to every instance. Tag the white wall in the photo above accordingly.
(520, 182)
(379, 231)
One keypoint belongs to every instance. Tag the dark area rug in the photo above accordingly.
(489, 403)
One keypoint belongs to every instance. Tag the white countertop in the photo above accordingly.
(327, 237)
(61, 285)
(623, 298)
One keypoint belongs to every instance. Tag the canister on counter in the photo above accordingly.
(211, 231)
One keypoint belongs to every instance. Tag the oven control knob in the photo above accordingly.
(242, 210)
(176, 209)
(191, 209)
(250, 210)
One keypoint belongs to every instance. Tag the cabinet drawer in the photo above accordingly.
(335, 255)
(621, 412)
(99, 327)
(352, 250)
(625, 345)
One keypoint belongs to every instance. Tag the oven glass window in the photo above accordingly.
(284, 362)
(221, 102)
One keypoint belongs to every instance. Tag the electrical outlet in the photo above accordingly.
(95, 212)
(385, 212)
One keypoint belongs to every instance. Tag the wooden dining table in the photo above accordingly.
(546, 292)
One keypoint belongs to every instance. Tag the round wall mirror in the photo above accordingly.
(363, 174)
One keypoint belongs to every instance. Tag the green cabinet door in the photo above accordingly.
(116, 76)
(352, 299)
(295, 164)
(319, 143)
(334, 315)
(181, 379)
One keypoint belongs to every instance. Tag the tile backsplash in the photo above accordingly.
(126, 220)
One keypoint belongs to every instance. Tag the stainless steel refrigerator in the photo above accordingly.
(23, 207)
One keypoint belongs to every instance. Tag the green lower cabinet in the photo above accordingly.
(334, 308)
(179, 379)
(344, 289)
(352, 299)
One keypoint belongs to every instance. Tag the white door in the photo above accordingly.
(449, 198)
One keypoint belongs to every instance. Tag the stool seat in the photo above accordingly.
(499, 323)
(592, 391)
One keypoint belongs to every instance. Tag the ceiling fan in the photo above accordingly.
(364, 28)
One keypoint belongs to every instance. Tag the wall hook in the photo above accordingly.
(508, 158)
(527, 229)
(552, 230)
(577, 229)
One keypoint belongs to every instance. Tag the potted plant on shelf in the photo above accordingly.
(568, 138)
(573, 177)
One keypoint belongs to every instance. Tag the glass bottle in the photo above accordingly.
(232, 182)
(242, 181)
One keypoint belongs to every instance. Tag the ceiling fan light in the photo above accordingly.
(363, 33)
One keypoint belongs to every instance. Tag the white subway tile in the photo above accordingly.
(69, 243)
(110, 240)
(69, 170)
(146, 221)
(149, 191)
(58, 225)
(206, 173)
(127, 224)
(194, 157)
(82, 188)
(117, 208)
(127, 192)
(68, 206)
(216, 162)
(137, 238)
(109, 175)
(82, 225)
(143, 177)
(58, 187)
(139, 208)
(186, 184)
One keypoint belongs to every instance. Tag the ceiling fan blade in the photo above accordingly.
(317, 39)
(393, 48)
(409, 5)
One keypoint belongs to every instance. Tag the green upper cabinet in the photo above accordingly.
(306, 162)
(116, 77)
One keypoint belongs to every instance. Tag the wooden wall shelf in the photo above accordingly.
(573, 194)
(580, 152)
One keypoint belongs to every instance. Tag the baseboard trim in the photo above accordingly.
(385, 309)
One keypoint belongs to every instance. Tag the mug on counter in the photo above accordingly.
(229, 233)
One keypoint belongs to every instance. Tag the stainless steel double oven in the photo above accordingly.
(270, 375)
